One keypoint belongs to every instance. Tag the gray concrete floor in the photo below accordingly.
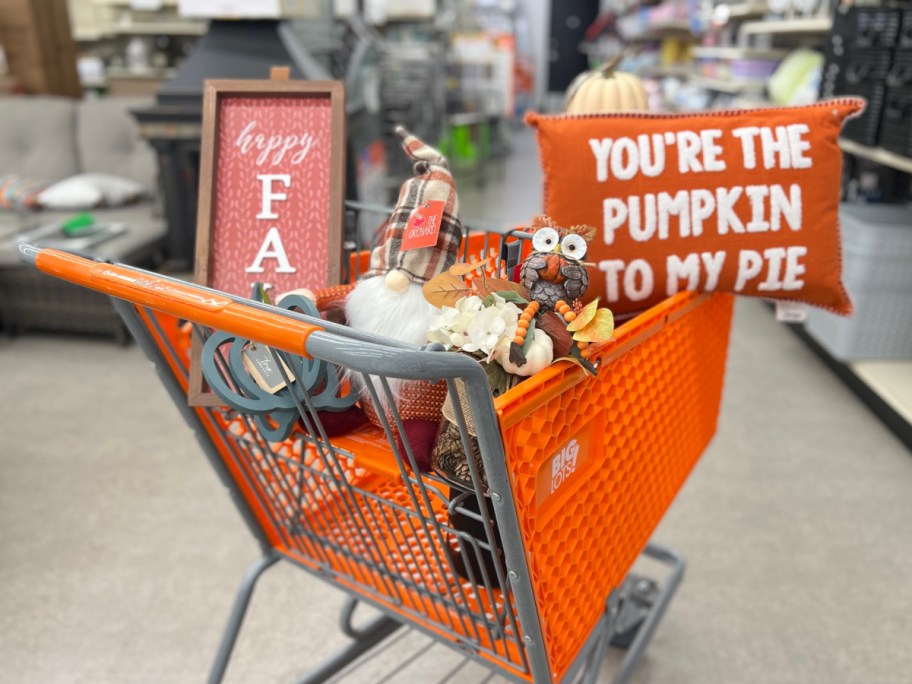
(120, 551)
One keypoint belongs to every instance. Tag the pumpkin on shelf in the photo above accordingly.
(606, 90)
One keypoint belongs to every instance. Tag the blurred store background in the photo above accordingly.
(119, 544)
(461, 73)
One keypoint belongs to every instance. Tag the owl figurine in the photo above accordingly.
(555, 269)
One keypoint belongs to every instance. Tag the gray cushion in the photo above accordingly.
(146, 231)
(11, 223)
(144, 223)
(38, 137)
(109, 142)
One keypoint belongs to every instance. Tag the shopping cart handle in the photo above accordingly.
(179, 299)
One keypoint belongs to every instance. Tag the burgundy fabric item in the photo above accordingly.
(340, 422)
(422, 437)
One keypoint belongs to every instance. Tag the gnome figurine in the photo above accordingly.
(421, 240)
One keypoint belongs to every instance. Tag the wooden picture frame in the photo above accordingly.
(271, 194)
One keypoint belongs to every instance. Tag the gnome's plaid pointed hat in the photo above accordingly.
(432, 181)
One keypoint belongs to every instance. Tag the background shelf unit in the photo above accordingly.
(782, 26)
(877, 154)
(733, 86)
(885, 387)
(737, 53)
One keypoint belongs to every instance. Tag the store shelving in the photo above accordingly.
(892, 380)
(88, 35)
(660, 30)
(877, 154)
(662, 71)
(747, 9)
(142, 29)
(166, 28)
(752, 30)
(100, 20)
(130, 3)
(781, 26)
(169, 28)
(728, 53)
(671, 26)
(885, 387)
(728, 85)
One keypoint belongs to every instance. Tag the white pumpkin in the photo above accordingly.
(538, 357)
(606, 90)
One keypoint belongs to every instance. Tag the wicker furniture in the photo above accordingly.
(54, 138)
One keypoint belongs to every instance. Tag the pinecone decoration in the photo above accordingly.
(555, 269)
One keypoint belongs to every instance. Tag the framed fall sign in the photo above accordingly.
(271, 194)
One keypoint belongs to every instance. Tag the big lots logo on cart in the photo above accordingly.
(565, 464)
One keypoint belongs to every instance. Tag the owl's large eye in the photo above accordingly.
(545, 240)
(574, 246)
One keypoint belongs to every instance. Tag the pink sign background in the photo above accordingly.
(292, 124)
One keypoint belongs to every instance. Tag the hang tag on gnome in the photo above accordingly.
(259, 362)
(423, 225)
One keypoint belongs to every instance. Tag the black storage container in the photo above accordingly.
(864, 180)
(846, 67)
(905, 29)
(877, 26)
(866, 26)
(900, 74)
(896, 123)
(833, 67)
(864, 129)
(863, 72)
(896, 120)
(867, 65)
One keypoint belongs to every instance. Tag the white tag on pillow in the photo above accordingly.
(791, 312)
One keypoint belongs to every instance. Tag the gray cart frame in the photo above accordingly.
(494, 621)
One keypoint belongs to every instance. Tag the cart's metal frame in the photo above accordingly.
(510, 641)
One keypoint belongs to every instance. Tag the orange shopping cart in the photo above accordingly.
(521, 566)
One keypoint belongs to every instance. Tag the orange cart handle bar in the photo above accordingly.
(28, 254)
(279, 328)
(173, 297)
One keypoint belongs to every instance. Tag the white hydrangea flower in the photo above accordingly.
(470, 304)
(473, 327)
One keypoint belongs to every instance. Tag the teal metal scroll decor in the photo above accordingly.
(275, 413)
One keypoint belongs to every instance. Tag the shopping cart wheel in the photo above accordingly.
(637, 597)
(640, 628)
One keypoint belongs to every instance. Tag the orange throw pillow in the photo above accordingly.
(742, 201)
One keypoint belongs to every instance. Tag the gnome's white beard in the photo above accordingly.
(405, 316)
(373, 307)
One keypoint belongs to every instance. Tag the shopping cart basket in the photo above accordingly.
(578, 469)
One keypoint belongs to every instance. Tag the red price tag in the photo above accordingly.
(423, 226)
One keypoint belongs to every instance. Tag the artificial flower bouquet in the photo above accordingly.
(513, 330)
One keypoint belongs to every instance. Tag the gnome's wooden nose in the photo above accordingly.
(397, 281)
